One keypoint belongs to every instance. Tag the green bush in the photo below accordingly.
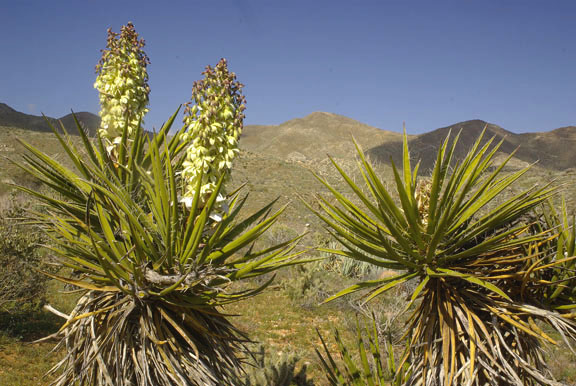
(147, 223)
(484, 276)
(348, 267)
(22, 285)
(372, 363)
(307, 285)
(272, 368)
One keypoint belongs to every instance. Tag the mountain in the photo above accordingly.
(319, 134)
(555, 149)
(552, 150)
(12, 118)
(313, 137)
(424, 147)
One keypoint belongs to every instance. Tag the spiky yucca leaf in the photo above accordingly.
(155, 272)
(469, 251)
(559, 266)
(374, 367)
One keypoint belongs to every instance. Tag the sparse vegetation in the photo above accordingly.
(272, 317)
(372, 364)
(22, 285)
(276, 368)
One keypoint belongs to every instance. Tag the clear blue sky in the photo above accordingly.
(430, 63)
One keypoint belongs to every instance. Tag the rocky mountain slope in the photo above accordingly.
(314, 137)
(551, 150)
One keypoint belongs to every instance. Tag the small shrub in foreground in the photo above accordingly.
(22, 285)
(272, 368)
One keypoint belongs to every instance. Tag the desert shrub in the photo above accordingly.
(22, 285)
(279, 234)
(273, 368)
(345, 266)
(306, 285)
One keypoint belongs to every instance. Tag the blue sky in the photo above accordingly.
(429, 63)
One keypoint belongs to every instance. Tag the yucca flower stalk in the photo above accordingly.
(122, 83)
(476, 304)
(154, 273)
(213, 122)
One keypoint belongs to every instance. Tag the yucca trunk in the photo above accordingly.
(455, 338)
(132, 341)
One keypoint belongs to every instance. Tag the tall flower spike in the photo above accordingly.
(214, 120)
(122, 82)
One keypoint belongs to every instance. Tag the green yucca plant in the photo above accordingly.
(276, 368)
(154, 271)
(558, 267)
(477, 304)
(374, 367)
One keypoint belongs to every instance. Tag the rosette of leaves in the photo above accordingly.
(214, 120)
(471, 252)
(122, 83)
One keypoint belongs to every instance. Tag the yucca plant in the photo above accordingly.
(370, 365)
(476, 304)
(276, 368)
(557, 266)
(154, 271)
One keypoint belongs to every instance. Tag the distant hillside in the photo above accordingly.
(12, 118)
(552, 150)
(313, 137)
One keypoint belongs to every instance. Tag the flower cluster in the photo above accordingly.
(122, 82)
(214, 120)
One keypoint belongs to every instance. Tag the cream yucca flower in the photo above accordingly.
(122, 82)
(422, 197)
(213, 124)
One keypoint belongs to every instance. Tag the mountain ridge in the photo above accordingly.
(318, 135)
(552, 149)
(10, 117)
